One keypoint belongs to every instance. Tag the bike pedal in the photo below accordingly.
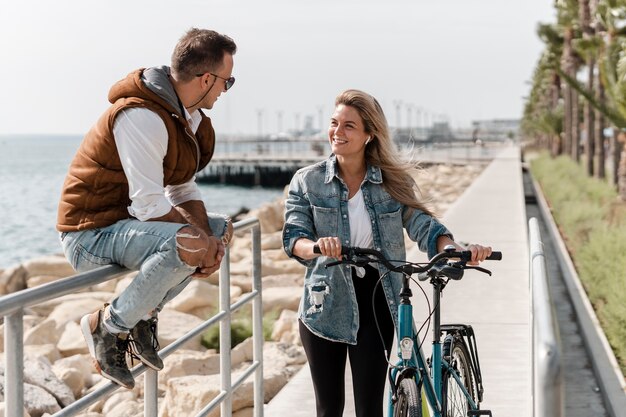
(478, 413)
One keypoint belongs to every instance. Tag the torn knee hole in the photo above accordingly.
(191, 246)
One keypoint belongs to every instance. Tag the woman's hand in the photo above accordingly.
(479, 253)
(330, 246)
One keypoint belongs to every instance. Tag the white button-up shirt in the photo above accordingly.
(141, 139)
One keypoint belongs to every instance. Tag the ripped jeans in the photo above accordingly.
(149, 247)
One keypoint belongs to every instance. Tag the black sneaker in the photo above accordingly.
(145, 344)
(108, 350)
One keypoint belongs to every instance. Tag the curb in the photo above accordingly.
(603, 360)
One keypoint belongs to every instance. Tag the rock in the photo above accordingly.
(44, 332)
(270, 215)
(13, 279)
(244, 412)
(278, 355)
(40, 280)
(39, 373)
(283, 280)
(2, 412)
(174, 324)
(243, 282)
(286, 327)
(289, 266)
(186, 362)
(243, 267)
(272, 241)
(38, 401)
(117, 398)
(55, 265)
(275, 254)
(46, 308)
(243, 352)
(72, 341)
(75, 371)
(126, 409)
(196, 294)
(186, 396)
(74, 310)
(47, 350)
(281, 298)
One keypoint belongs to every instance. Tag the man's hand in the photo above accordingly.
(213, 258)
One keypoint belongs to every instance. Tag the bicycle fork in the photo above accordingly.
(411, 361)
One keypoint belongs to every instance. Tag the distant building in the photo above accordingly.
(495, 129)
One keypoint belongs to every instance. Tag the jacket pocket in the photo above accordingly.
(391, 229)
(326, 221)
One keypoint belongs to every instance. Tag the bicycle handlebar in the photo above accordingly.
(408, 268)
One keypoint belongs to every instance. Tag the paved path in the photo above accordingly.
(491, 212)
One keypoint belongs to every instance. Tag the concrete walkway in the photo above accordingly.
(490, 212)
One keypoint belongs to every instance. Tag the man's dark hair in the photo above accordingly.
(199, 51)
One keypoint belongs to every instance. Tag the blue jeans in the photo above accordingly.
(149, 247)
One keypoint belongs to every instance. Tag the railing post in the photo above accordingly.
(257, 320)
(14, 364)
(547, 371)
(226, 407)
(151, 393)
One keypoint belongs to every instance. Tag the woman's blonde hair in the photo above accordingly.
(381, 151)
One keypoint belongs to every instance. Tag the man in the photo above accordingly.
(130, 196)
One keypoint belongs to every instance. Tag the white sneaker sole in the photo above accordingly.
(86, 329)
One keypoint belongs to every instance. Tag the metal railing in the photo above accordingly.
(548, 389)
(12, 308)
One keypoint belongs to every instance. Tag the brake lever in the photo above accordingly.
(480, 269)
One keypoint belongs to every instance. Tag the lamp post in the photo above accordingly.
(398, 104)
(259, 115)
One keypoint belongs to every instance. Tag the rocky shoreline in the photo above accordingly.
(58, 368)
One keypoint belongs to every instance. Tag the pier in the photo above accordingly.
(272, 163)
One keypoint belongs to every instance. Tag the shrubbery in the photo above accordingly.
(592, 222)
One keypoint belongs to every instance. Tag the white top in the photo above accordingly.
(141, 140)
(360, 223)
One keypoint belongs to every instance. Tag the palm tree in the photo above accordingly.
(548, 82)
(587, 30)
(567, 25)
(610, 14)
(543, 111)
(600, 153)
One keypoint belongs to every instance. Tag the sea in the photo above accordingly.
(32, 171)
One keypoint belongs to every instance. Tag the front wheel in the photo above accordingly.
(409, 403)
(454, 401)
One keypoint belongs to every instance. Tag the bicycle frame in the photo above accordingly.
(432, 381)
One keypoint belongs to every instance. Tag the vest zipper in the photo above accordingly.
(195, 142)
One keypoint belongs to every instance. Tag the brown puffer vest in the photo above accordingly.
(95, 192)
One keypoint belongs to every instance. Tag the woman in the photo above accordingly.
(362, 195)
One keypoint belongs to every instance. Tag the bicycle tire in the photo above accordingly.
(454, 403)
(409, 402)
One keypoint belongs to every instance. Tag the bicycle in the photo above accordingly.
(451, 378)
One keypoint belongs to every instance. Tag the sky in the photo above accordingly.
(424, 60)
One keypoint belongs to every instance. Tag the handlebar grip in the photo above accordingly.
(345, 250)
(495, 256)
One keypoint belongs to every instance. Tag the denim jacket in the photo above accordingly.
(317, 206)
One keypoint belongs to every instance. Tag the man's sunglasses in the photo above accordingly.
(229, 81)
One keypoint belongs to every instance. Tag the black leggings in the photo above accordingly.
(327, 359)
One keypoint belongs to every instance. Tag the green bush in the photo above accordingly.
(592, 222)
(240, 329)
